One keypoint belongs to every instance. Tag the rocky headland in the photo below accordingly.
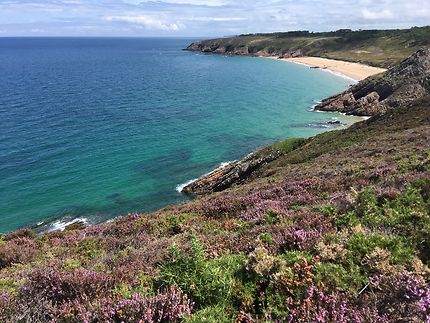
(379, 48)
(239, 171)
(400, 85)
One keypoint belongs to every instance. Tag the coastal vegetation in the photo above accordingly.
(381, 48)
(333, 228)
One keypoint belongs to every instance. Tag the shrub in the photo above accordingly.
(211, 314)
(335, 276)
(206, 281)
(60, 286)
(288, 145)
(402, 295)
(17, 250)
(168, 305)
(337, 307)
(361, 244)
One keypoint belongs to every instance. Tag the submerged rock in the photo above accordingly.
(400, 85)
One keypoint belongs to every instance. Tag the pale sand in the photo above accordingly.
(355, 71)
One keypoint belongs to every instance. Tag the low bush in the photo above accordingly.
(206, 281)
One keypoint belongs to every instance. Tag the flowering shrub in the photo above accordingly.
(401, 294)
(7, 306)
(320, 307)
(168, 305)
(62, 286)
(17, 250)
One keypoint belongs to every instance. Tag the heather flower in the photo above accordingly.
(168, 305)
(321, 307)
(62, 286)
(402, 294)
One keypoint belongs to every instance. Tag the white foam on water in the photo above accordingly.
(60, 225)
(180, 187)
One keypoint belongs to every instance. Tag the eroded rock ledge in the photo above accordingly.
(233, 173)
(400, 85)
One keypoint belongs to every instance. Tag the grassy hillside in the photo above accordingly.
(382, 48)
(337, 229)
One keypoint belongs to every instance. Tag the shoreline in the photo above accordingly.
(354, 71)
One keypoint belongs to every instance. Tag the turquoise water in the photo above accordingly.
(95, 128)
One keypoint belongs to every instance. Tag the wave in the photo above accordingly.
(354, 81)
(60, 225)
(180, 187)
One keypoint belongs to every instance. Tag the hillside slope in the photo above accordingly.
(335, 228)
(381, 48)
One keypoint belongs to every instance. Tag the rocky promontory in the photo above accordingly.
(400, 85)
(232, 173)
(239, 171)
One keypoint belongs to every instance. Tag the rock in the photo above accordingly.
(78, 225)
(217, 46)
(400, 85)
(233, 173)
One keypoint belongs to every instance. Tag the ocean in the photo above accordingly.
(94, 128)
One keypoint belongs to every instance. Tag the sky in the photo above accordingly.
(200, 18)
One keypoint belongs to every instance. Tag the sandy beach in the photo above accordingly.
(355, 71)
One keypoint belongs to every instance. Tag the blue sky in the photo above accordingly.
(202, 18)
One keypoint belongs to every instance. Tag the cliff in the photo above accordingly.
(381, 48)
(401, 84)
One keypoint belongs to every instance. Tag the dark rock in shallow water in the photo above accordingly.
(233, 173)
(400, 85)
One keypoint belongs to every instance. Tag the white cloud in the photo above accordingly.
(376, 14)
(216, 19)
(147, 22)
(207, 17)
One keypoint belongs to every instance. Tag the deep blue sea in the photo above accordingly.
(93, 128)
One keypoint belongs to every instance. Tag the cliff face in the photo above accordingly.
(221, 47)
(400, 85)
